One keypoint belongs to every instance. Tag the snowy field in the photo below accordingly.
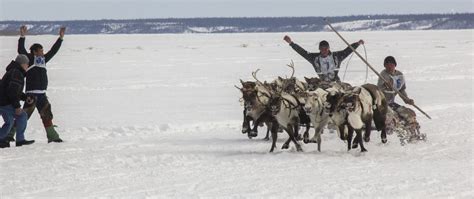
(158, 116)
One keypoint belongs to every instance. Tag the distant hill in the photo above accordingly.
(239, 25)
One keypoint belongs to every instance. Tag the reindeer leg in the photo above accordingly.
(269, 127)
(308, 126)
(349, 138)
(341, 132)
(368, 129)
(355, 142)
(306, 139)
(293, 138)
(286, 145)
(254, 131)
(307, 122)
(274, 135)
(317, 136)
(380, 123)
(383, 135)
(249, 128)
(246, 123)
(361, 142)
(297, 131)
(314, 139)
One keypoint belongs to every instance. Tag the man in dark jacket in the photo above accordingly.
(37, 82)
(326, 63)
(11, 91)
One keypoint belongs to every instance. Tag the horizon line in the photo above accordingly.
(241, 17)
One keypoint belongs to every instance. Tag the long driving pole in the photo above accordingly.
(372, 68)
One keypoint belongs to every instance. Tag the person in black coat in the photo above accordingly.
(11, 92)
(325, 63)
(37, 83)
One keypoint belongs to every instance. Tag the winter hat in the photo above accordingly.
(389, 59)
(22, 59)
(323, 44)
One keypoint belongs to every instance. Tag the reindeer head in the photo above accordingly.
(349, 102)
(289, 85)
(313, 83)
(248, 84)
(274, 104)
(250, 99)
(311, 103)
(249, 93)
(286, 85)
(272, 86)
(333, 99)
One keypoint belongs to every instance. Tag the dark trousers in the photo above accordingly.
(40, 102)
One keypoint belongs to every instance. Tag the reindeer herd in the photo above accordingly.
(286, 104)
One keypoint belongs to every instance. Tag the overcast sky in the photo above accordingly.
(134, 9)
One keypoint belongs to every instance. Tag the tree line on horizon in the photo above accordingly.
(237, 24)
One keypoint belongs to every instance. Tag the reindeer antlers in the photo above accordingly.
(286, 82)
(292, 66)
(254, 75)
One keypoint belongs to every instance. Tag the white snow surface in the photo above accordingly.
(147, 116)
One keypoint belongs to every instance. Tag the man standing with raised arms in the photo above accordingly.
(37, 82)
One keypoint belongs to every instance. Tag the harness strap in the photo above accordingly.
(289, 105)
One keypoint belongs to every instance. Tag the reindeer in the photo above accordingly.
(263, 97)
(293, 86)
(248, 92)
(364, 104)
(371, 102)
(358, 106)
(254, 109)
(337, 115)
(314, 107)
(314, 83)
(284, 109)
